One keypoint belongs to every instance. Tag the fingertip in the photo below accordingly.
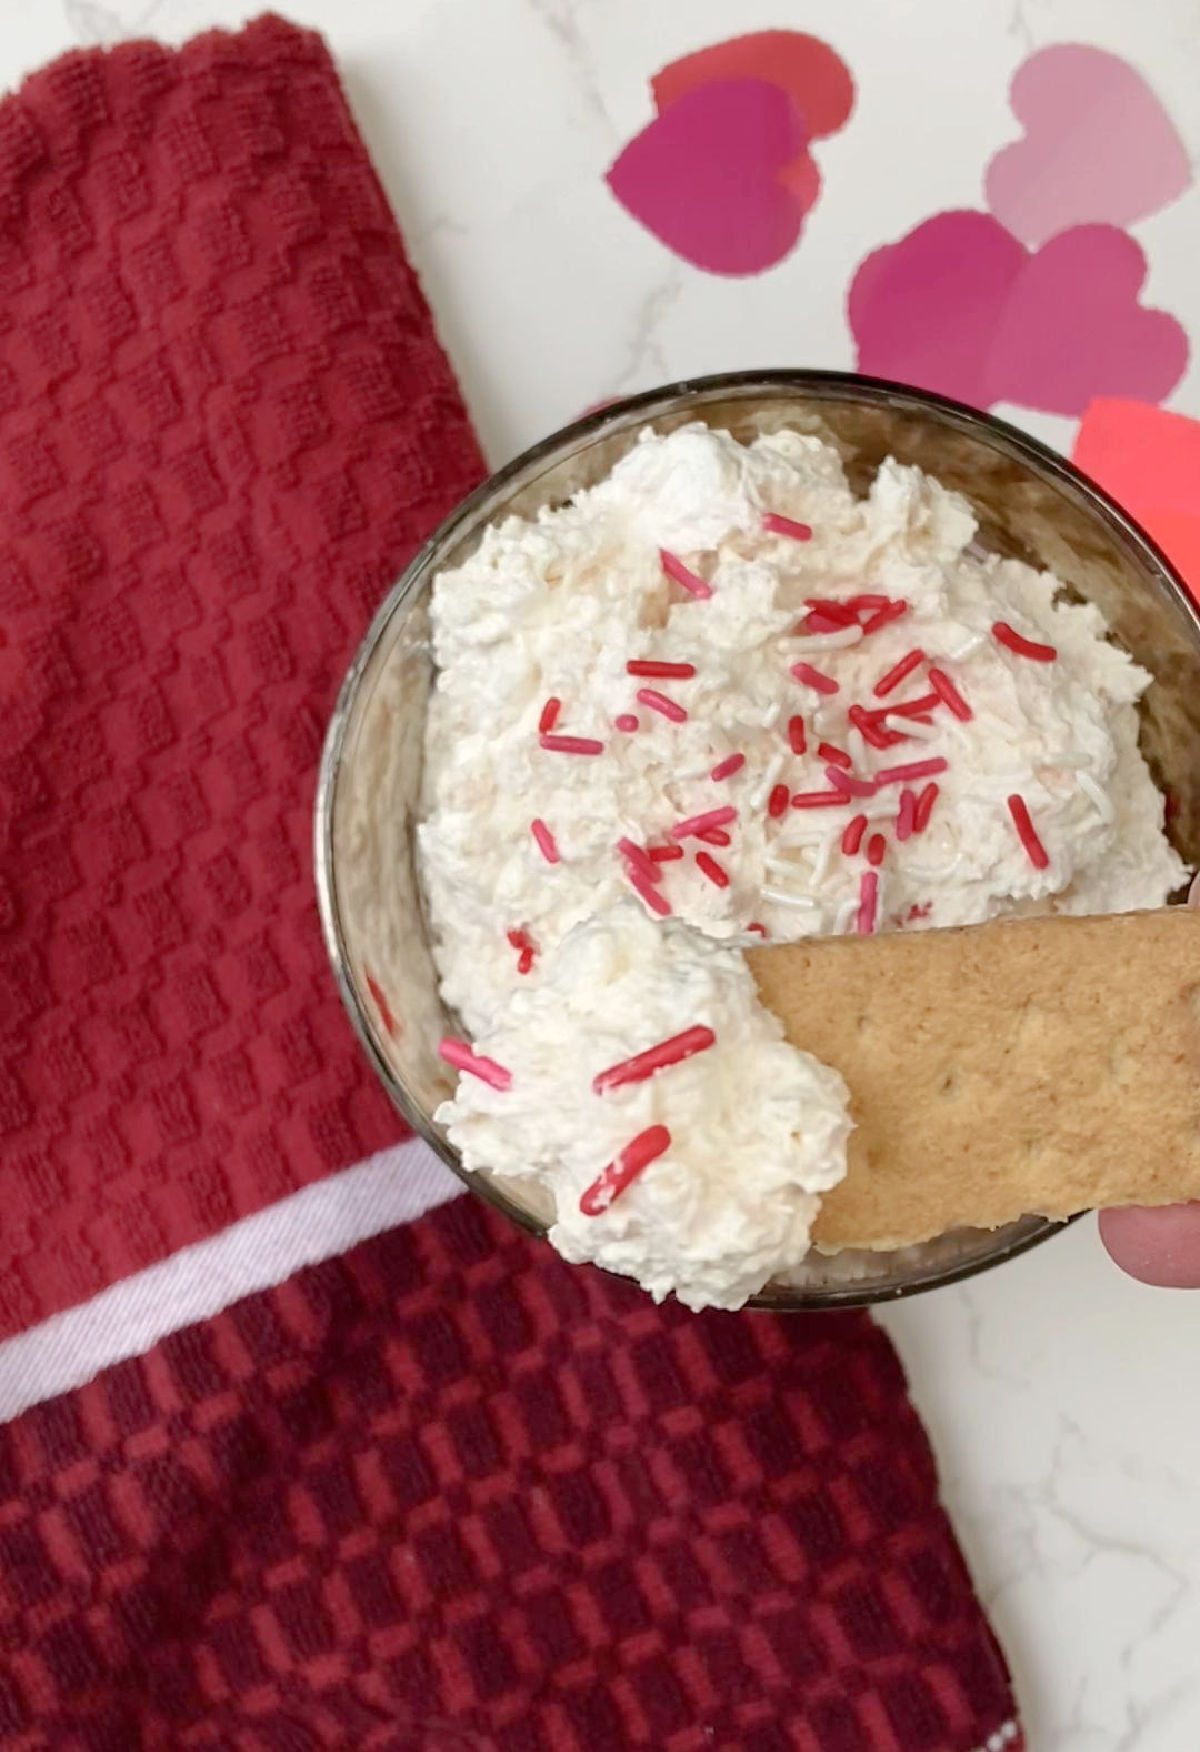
(1158, 1246)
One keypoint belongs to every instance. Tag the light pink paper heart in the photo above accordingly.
(1072, 328)
(1098, 146)
(722, 176)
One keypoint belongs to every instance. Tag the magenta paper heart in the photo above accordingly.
(1072, 328)
(1098, 146)
(720, 177)
(923, 310)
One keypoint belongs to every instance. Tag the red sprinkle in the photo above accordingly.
(797, 738)
(869, 730)
(868, 903)
(381, 1004)
(571, 745)
(918, 708)
(899, 673)
(521, 940)
(777, 802)
(876, 849)
(697, 823)
(868, 603)
(639, 860)
(1012, 641)
(786, 526)
(664, 854)
(949, 695)
(759, 930)
(824, 684)
(725, 769)
(841, 613)
(655, 1058)
(1026, 833)
(525, 961)
(915, 769)
(626, 721)
(651, 666)
(906, 818)
(612, 1181)
(549, 717)
(838, 756)
(716, 875)
(658, 903)
(459, 1054)
(925, 803)
(883, 616)
(657, 702)
(715, 836)
(674, 567)
(852, 835)
(848, 785)
(819, 799)
(546, 843)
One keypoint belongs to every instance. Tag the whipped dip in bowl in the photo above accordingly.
(741, 660)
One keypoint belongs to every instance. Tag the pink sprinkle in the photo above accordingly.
(852, 835)
(664, 854)
(814, 678)
(716, 875)
(906, 818)
(546, 843)
(669, 671)
(847, 784)
(786, 526)
(657, 902)
(946, 691)
(777, 802)
(868, 903)
(883, 616)
(915, 769)
(715, 836)
(925, 803)
(459, 1054)
(797, 738)
(759, 930)
(626, 721)
(657, 702)
(725, 769)
(674, 567)
(876, 849)
(1012, 641)
(660, 1057)
(611, 1182)
(697, 823)
(639, 861)
(571, 745)
(899, 673)
(1026, 833)
(831, 752)
(819, 799)
(549, 717)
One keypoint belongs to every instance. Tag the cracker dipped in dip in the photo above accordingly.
(714, 701)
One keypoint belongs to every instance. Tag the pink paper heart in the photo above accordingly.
(814, 74)
(923, 310)
(720, 176)
(1098, 146)
(1072, 328)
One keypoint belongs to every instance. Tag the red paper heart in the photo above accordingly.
(813, 74)
(722, 177)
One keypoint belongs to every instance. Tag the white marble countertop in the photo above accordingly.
(1061, 1397)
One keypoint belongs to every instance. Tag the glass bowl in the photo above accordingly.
(1031, 505)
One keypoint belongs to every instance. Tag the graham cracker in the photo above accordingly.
(1036, 1065)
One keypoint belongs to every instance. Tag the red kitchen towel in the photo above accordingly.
(444, 1492)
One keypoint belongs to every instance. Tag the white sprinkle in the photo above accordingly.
(927, 873)
(821, 867)
(968, 648)
(785, 897)
(1072, 759)
(825, 641)
(910, 727)
(846, 915)
(1092, 790)
(856, 745)
(769, 780)
(772, 715)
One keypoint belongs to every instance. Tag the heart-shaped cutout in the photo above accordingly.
(718, 177)
(1072, 328)
(813, 74)
(1149, 460)
(1098, 146)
